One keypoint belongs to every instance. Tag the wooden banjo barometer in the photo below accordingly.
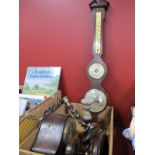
(97, 68)
(57, 132)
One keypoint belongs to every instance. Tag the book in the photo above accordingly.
(23, 103)
(28, 101)
(33, 99)
(43, 81)
(30, 96)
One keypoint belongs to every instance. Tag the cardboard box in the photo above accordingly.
(105, 116)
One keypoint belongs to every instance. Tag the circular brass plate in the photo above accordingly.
(101, 144)
(69, 129)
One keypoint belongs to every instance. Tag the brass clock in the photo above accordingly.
(69, 129)
(55, 131)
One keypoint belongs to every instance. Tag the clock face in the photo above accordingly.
(96, 70)
(99, 100)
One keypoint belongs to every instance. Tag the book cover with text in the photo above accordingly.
(42, 80)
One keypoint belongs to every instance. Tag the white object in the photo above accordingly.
(22, 106)
(29, 96)
(96, 70)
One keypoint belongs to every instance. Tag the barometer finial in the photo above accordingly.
(99, 4)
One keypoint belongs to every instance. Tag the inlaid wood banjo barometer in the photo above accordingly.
(57, 134)
(97, 68)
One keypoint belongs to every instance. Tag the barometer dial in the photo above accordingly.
(96, 70)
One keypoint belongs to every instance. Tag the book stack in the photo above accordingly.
(40, 83)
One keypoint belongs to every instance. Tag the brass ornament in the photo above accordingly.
(26, 126)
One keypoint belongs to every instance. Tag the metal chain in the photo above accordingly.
(87, 125)
(75, 113)
(50, 109)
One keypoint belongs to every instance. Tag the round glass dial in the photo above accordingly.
(99, 100)
(96, 70)
(69, 129)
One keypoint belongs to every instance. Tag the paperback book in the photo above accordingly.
(43, 81)
(23, 103)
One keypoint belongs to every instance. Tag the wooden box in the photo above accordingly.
(106, 117)
(36, 113)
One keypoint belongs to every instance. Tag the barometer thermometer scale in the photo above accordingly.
(97, 68)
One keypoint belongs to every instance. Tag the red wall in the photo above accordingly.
(60, 33)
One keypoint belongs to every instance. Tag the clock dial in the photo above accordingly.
(96, 70)
(99, 100)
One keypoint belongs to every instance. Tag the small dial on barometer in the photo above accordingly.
(96, 70)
